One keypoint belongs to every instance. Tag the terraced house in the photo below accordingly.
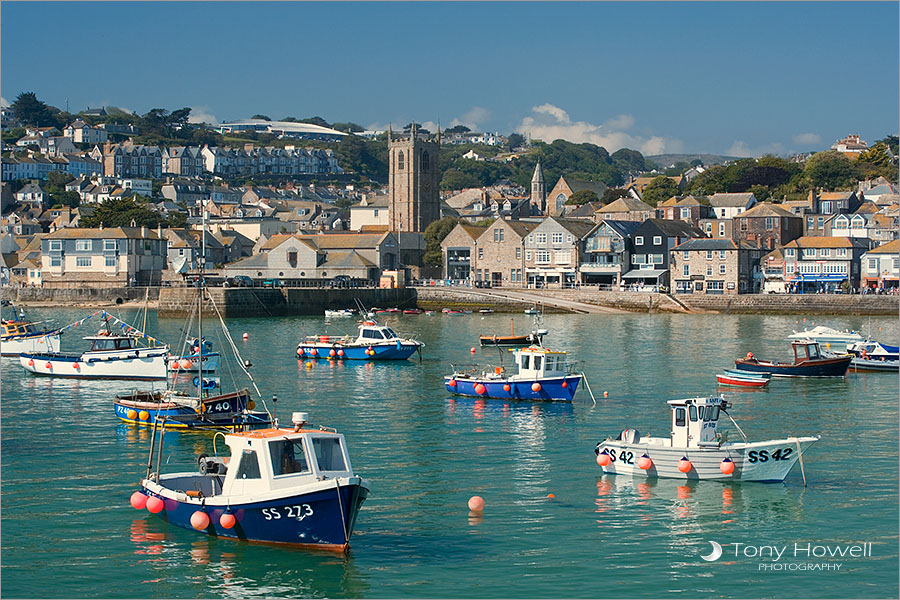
(553, 252)
(823, 264)
(715, 266)
(500, 254)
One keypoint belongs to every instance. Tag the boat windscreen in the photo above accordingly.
(288, 457)
(329, 454)
(390, 333)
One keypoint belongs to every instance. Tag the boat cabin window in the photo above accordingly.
(693, 412)
(329, 455)
(124, 344)
(679, 417)
(249, 466)
(524, 361)
(103, 345)
(537, 363)
(372, 334)
(288, 457)
(390, 333)
(712, 413)
(813, 351)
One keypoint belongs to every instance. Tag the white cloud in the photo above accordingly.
(201, 114)
(550, 123)
(472, 118)
(741, 149)
(807, 139)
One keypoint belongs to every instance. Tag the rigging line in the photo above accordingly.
(236, 353)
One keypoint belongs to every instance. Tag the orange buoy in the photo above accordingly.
(452, 383)
(340, 352)
(308, 365)
(227, 520)
(49, 365)
(535, 387)
(144, 415)
(603, 459)
(246, 336)
(551, 496)
(332, 352)
(187, 364)
(131, 414)
(31, 363)
(606, 394)
(479, 388)
(565, 384)
(726, 466)
(472, 350)
(506, 387)
(75, 365)
(749, 355)
(476, 504)
(644, 462)
(313, 351)
(138, 500)
(199, 520)
(155, 504)
(684, 465)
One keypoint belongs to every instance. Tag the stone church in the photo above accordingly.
(414, 196)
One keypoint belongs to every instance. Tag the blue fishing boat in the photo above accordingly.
(279, 485)
(874, 356)
(374, 342)
(808, 362)
(541, 374)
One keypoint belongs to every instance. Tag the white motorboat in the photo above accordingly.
(828, 338)
(111, 356)
(696, 450)
(339, 314)
(19, 336)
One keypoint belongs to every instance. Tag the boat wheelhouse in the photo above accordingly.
(809, 361)
(111, 356)
(541, 374)
(695, 449)
(279, 485)
(18, 335)
(374, 342)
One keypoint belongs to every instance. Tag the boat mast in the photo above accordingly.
(200, 312)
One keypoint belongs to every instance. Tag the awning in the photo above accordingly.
(644, 274)
(814, 277)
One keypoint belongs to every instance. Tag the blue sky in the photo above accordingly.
(738, 78)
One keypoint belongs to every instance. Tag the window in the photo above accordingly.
(686, 270)
(540, 238)
(679, 417)
(639, 240)
(657, 240)
(841, 252)
(873, 265)
(537, 363)
(693, 412)
(518, 253)
(557, 238)
(708, 227)
(249, 466)
(686, 255)
(770, 223)
(542, 257)
(810, 222)
(709, 269)
(525, 361)
(563, 257)
(821, 222)
(110, 261)
(637, 259)
(83, 245)
(292, 259)
(329, 455)
(528, 255)
(55, 261)
(722, 254)
(481, 253)
(721, 269)
(498, 235)
(109, 245)
(83, 261)
(424, 161)
(685, 213)
(824, 252)
(56, 244)
(744, 225)
(400, 161)
(656, 259)
(721, 229)
(789, 252)
(709, 255)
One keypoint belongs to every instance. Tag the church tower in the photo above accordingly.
(414, 198)
(538, 192)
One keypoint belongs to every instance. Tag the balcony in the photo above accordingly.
(600, 268)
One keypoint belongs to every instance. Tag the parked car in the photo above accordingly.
(271, 283)
(240, 281)
(341, 281)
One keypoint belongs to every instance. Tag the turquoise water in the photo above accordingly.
(68, 468)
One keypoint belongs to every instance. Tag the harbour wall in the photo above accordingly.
(84, 296)
(805, 304)
(268, 302)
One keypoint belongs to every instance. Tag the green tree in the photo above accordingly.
(630, 161)
(876, 162)
(454, 179)
(515, 140)
(613, 194)
(582, 197)
(348, 127)
(31, 111)
(659, 190)
(434, 235)
(57, 180)
(64, 198)
(830, 170)
(316, 121)
(458, 129)
(891, 141)
(122, 212)
(262, 117)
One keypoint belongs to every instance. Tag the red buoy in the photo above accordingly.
(603, 459)
(684, 465)
(644, 462)
(340, 352)
(452, 383)
(31, 363)
(138, 500)
(227, 520)
(565, 384)
(75, 365)
(506, 387)
(49, 365)
(199, 520)
(535, 387)
(726, 466)
(480, 389)
(155, 504)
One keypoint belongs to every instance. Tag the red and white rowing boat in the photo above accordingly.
(742, 379)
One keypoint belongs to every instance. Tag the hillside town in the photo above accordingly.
(305, 220)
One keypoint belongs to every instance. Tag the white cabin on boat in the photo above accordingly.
(694, 422)
(535, 362)
(372, 333)
(101, 343)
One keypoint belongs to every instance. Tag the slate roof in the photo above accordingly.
(766, 209)
(576, 227)
(675, 228)
(341, 259)
(107, 233)
(714, 244)
(626, 204)
(729, 200)
(623, 228)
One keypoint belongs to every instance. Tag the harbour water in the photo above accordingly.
(69, 467)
